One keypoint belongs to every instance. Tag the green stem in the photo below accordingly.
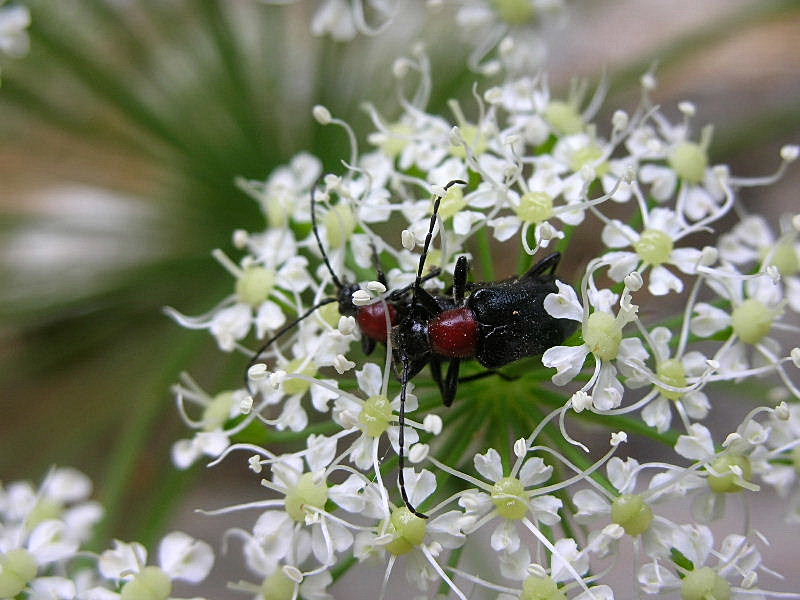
(125, 460)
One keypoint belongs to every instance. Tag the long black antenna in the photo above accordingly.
(417, 285)
(277, 336)
(336, 280)
(401, 441)
(436, 201)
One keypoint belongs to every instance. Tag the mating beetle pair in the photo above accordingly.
(496, 323)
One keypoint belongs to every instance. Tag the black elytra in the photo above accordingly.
(498, 323)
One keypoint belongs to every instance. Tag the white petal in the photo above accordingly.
(48, 542)
(658, 414)
(686, 259)
(564, 304)
(505, 537)
(590, 505)
(183, 557)
(52, 588)
(489, 465)
(621, 264)
(514, 565)
(445, 529)
(607, 390)
(123, 558)
(534, 472)
(321, 452)
(568, 361)
(230, 324)
(67, 485)
(419, 485)
(618, 235)
(184, 453)
(567, 554)
(212, 443)
(268, 318)
(545, 509)
(370, 379)
(347, 494)
(698, 445)
(622, 474)
(465, 219)
(504, 228)
(662, 282)
(708, 320)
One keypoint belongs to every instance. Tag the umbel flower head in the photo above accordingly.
(384, 252)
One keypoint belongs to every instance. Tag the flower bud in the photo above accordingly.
(321, 114)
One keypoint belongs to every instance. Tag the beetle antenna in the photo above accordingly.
(278, 335)
(436, 201)
(401, 442)
(336, 281)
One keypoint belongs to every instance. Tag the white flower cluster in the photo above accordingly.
(14, 21)
(505, 35)
(42, 534)
(538, 168)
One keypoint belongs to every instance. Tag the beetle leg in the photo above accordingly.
(398, 293)
(460, 279)
(436, 373)
(377, 260)
(367, 344)
(547, 264)
(451, 382)
(428, 302)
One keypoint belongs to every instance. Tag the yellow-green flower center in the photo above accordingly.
(150, 584)
(255, 285)
(475, 139)
(726, 481)
(654, 247)
(452, 203)
(376, 415)
(397, 139)
(330, 314)
(564, 118)
(305, 494)
(752, 321)
(588, 156)
(515, 12)
(45, 509)
(690, 161)
(632, 513)
(277, 206)
(278, 586)
(218, 411)
(672, 372)
(785, 258)
(340, 223)
(299, 386)
(535, 207)
(603, 335)
(705, 584)
(17, 568)
(508, 495)
(541, 588)
(409, 531)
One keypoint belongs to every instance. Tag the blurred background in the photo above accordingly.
(121, 133)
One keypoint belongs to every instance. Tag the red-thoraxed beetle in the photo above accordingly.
(371, 318)
(498, 323)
